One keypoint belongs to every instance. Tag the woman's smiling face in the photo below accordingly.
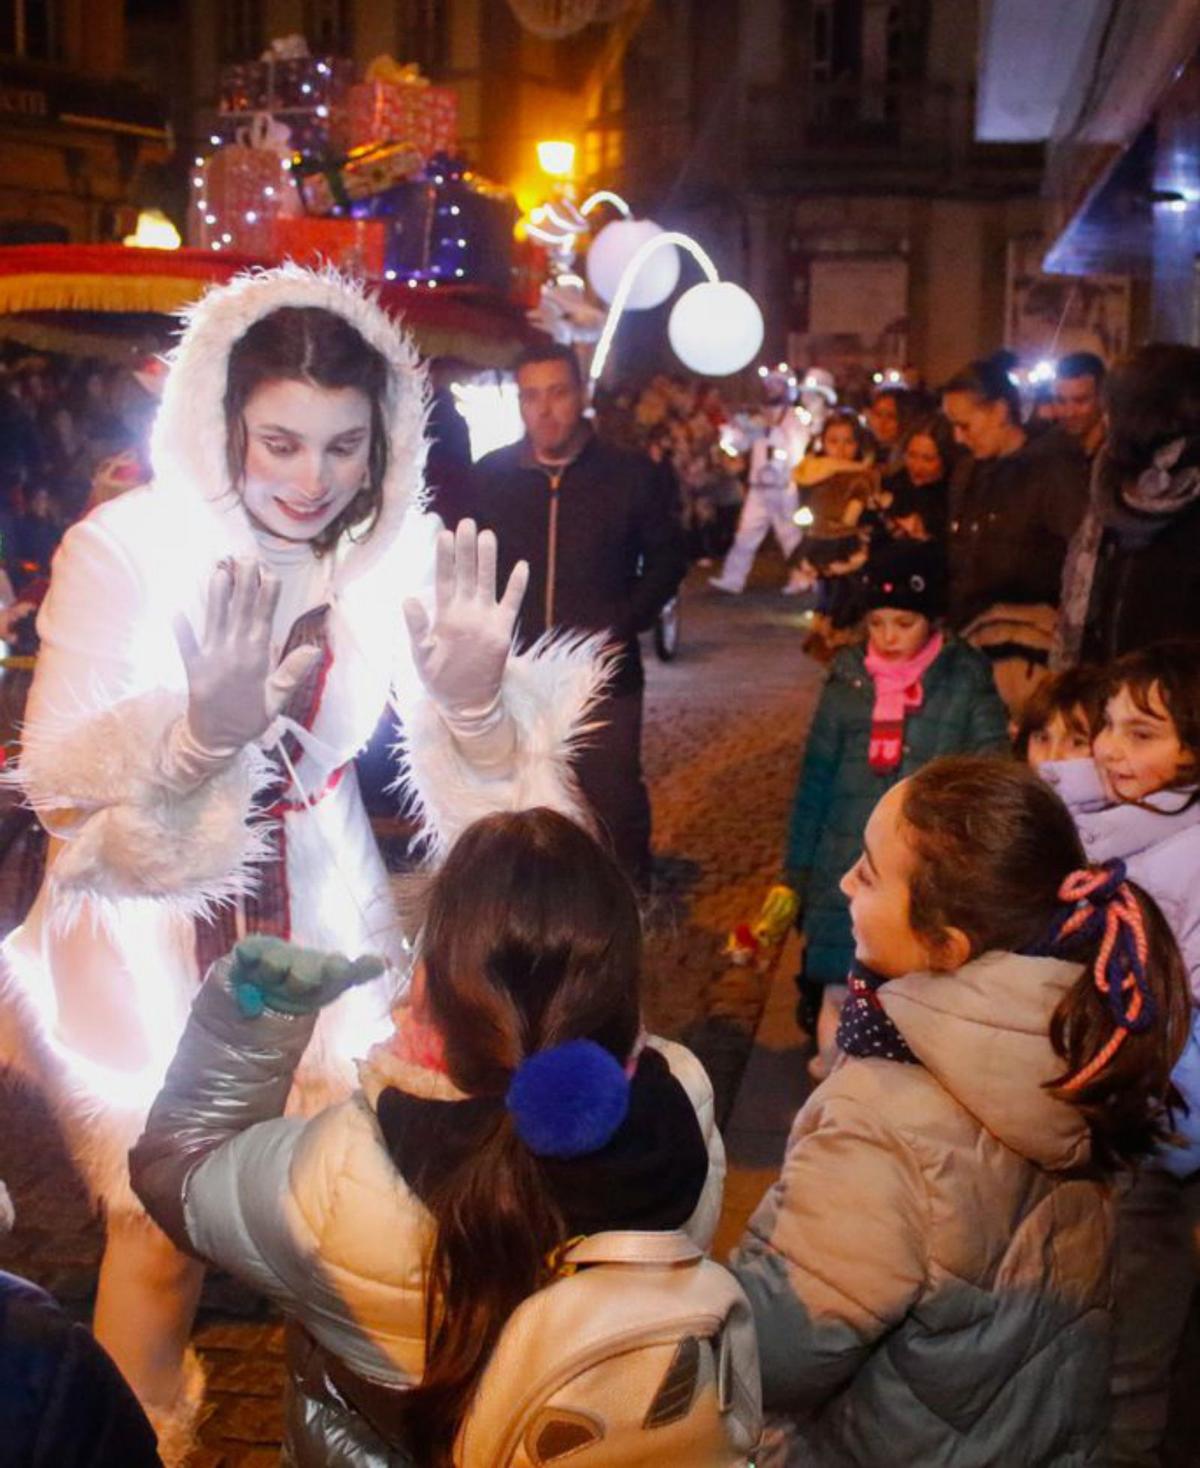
(307, 453)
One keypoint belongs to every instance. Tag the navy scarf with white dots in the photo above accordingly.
(865, 1029)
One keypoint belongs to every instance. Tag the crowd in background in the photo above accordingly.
(1013, 936)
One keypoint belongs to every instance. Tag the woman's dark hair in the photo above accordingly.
(864, 444)
(940, 431)
(1173, 667)
(1082, 687)
(910, 405)
(989, 379)
(531, 937)
(993, 845)
(310, 344)
(1152, 398)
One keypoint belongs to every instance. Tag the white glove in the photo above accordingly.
(233, 694)
(461, 655)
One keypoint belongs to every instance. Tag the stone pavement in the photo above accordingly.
(724, 728)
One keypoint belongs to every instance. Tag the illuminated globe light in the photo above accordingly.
(715, 328)
(612, 250)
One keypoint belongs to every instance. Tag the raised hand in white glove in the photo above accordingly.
(461, 654)
(233, 693)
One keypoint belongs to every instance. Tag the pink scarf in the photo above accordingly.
(898, 692)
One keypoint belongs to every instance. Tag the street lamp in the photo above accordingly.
(715, 328)
(556, 158)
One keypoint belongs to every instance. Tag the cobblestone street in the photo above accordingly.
(723, 732)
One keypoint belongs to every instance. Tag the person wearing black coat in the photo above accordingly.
(1132, 576)
(63, 1403)
(600, 530)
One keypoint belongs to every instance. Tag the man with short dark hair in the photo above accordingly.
(601, 533)
(1079, 400)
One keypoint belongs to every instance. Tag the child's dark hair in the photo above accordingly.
(864, 444)
(993, 845)
(531, 937)
(1173, 667)
(1083, 687)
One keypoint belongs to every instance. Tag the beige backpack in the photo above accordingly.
(643, 1352)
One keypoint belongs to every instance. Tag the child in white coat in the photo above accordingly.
(1138, 800)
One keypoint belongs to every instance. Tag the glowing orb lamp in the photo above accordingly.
(615, 246)
(715, 328)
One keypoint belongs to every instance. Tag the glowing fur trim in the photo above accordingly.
(133, 836)
(549, 692)
(111, 932)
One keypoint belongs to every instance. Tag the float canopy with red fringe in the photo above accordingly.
(108, 301)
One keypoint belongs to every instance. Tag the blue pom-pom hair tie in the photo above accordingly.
(568, 1100)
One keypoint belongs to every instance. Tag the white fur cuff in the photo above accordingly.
(549, 693)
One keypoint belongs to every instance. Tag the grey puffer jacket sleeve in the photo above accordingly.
(229, 1073)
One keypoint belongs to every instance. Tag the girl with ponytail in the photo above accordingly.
(933, 1268)
(517, 1105)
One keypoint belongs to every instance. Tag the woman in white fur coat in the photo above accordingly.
(214, 650)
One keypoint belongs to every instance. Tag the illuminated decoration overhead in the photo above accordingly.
(491, 412)
(556, 157)
(715, 328)
(554, 19)
(154, 232)
(606, 196)
(612, 250)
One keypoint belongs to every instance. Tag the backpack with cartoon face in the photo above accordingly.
(643, 1352)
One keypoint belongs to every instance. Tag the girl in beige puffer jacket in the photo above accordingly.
(931, 1274)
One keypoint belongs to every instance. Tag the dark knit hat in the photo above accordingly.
(909, 575)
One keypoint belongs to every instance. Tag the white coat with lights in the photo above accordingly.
(98, 980)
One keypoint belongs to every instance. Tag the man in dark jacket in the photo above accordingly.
(601, 533)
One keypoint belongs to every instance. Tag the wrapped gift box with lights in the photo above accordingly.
(302, 92)
(237, 193)
(330, 187)
(396, 103)
(355, 246)
(449, 226)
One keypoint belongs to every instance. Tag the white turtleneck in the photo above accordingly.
(304, 577)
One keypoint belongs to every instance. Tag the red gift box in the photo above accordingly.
(355, 246)
(237, 194)
(408, 112)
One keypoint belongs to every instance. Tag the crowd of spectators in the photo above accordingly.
(985, 578)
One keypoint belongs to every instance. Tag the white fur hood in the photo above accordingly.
(188, 442)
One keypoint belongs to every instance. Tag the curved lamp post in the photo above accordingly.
(715, 327)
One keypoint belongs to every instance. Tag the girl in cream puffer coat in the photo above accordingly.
(931, 1274)
(530, 944)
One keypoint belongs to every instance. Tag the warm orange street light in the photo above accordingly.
(556, 157)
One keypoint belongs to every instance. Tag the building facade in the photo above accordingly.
(80, 142)
(826, 150)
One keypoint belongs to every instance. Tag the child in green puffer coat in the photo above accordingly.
(909, 694)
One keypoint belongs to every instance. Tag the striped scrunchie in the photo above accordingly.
(1102, 908)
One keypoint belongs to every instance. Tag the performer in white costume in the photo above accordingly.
(775, 438)
(215, 648)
